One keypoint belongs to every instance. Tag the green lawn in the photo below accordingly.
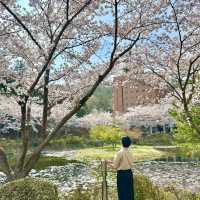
(139, 153)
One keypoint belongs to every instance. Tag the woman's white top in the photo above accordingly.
(123, 160)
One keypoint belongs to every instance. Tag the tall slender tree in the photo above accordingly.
(173, 55)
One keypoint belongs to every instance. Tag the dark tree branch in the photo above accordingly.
(9, 33)
(193, 87)
(188, 76)
(45, 103)
(79, 44)
(22, 25)
(115, 31)
(190, 47)
(181, 45)
(195, 59)
(66, 24)
(167, 82)
(67, 10)
(191, 33)
(61, 100)
(50, 33)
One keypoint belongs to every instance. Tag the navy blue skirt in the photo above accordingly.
(125, 185)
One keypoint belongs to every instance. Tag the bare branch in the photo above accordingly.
(181, 46)
(116, 31)
(188, 76)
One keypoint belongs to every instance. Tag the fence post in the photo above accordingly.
(104, 181)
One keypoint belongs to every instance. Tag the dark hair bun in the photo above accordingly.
(126, 141)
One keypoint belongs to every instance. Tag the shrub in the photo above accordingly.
(189, 150)
(106, 134)
(156, 139)
(28, 189)
(67, 141)
(44, 162)
(184, 133)
(135, 134)
(145, 190)
(81, 193)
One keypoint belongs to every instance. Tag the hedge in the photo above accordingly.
(29, 189)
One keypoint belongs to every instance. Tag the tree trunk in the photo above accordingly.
(4, 165)
(24, 133)
(45, 104)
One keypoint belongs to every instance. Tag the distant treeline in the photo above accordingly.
(101, 101)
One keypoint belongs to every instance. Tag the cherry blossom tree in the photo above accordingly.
(93, 119)
(172, 55)
(150, 115)
(64, 50)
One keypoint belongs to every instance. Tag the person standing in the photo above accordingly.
(123, 163)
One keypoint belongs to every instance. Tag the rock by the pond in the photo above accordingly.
(2, 178)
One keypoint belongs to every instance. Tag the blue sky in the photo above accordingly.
(23, 3)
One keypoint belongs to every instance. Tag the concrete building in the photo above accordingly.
(130, 93)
